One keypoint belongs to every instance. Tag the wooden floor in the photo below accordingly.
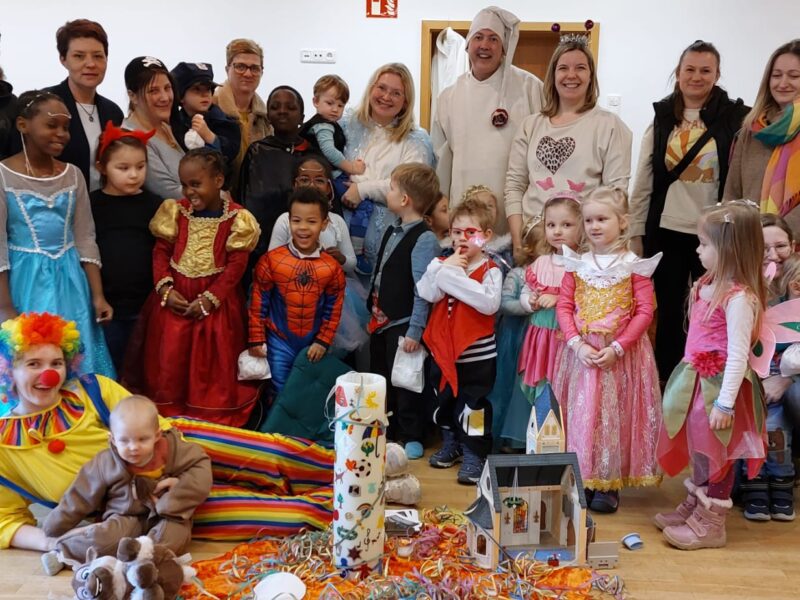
(762, 560)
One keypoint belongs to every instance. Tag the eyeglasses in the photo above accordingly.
(242, 68)
(308, 181)
(393, 94)
(781, 249)
(469, 232)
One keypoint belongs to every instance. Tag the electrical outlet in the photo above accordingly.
(317, 55)
(614, 100)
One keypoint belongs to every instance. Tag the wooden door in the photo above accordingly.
(534, 49)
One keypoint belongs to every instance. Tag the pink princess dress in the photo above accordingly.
(699, 380)
(612, 415)
(543, 338)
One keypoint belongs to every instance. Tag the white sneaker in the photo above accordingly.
(403, 490)
(396, 460)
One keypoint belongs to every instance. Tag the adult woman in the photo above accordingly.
(571, 145)
(237, 96)
(150, 92)
(682, 170)
(765, 165)
(382, 133)
(314, 171)
(265, 179)
(83, 51)
(55, 411)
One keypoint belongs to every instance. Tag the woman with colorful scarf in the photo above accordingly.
(682, 169)
(765, 166)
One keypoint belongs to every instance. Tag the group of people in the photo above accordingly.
(208, 224)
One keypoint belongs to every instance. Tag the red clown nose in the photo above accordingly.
(50, 378)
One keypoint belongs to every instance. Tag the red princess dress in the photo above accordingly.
(187, 366)
(613, 415)
(714, 368)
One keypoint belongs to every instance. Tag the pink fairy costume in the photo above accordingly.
(543, 338)
(714, 368)
(612, 415)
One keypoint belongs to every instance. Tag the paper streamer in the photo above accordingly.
(360, 445)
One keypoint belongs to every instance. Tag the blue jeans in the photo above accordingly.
(779, 431)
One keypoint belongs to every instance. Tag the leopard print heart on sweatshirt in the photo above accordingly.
(554, 153)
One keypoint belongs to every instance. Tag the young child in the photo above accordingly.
(193, 323)
(53, 263)
(769, 494)
(559, 226)
(510, 406)
(148, 482)
(397, 309)
(465, 289)
(198, 122)
(298, 290)
(122, 211)
(713, 402)
(325, 135)
(606, 378)
(437, 218)
(499, 247)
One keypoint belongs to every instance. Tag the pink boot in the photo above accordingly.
(682, 512)
(705, 528)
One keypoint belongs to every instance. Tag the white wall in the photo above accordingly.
(639, 43)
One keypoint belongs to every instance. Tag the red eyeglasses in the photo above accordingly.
(469, 232)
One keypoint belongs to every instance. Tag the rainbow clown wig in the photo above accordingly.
(18, 335)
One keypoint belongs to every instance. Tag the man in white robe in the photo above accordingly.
(477, 117)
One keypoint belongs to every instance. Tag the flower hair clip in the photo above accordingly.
(574, 38)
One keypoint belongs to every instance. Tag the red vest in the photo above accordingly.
(448, 335)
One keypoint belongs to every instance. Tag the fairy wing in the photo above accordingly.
(780, 324)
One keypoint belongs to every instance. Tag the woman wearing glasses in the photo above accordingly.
(237, 96)
(382, 133)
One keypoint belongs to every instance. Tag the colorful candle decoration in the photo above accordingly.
(358, 482)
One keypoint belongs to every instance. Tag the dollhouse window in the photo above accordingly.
(480, 544)
(521, 517)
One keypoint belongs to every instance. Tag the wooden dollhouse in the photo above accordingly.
(531, 503)
(545, 426)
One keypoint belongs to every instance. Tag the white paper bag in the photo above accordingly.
(253, 368)
(408, 371)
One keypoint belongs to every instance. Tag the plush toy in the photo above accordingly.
(100, 578)
(152, 569)
(141, 570)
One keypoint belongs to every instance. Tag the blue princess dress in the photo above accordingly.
(46, 232)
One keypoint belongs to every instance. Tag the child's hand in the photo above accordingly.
(456, 259)
(605, 358)
(201, 127)
(315, 352)
(775, 387)
(587, 355)
(547, 300)
(719, 420)
(259, 351)
(410, 345)
(337, 254)
(176, 302)
(351, 198)
(353, 167)
(198, 309)
(165, 485)
(102, 309)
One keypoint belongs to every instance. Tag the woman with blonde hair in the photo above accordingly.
(765, 166)
(571, 145)
(381, 132)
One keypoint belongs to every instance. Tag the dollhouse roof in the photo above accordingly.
(544, 403)
(480, 513)
(531, 470)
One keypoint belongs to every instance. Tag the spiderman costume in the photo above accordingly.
(296, 301)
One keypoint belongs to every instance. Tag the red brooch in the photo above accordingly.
(500, 117)
(56, 446)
